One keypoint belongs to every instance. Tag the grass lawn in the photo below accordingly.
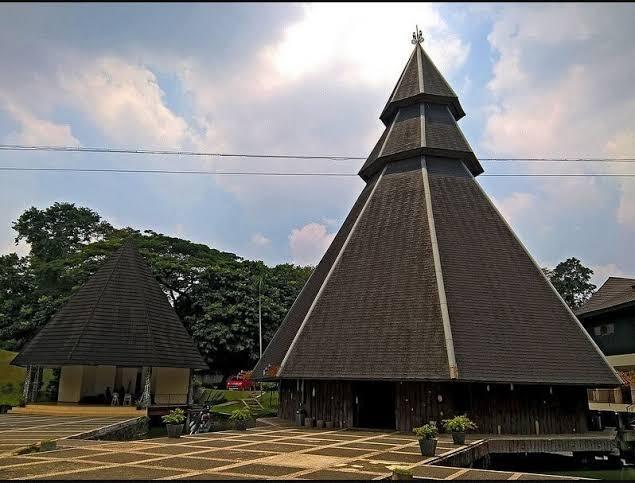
(233, 401)
(12, 378)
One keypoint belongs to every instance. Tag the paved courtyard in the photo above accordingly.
(262, 452)
(17, 430)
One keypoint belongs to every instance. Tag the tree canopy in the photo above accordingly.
(572, 281)
(214, 293)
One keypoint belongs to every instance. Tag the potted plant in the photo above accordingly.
(401, 473)
(427, 436)
(458, 425)
(174, 422)
(240, 418)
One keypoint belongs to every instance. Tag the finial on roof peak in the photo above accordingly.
(417, 36)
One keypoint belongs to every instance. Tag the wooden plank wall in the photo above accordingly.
(563, 411)
(325, 400)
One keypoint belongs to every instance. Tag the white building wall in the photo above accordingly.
(70, 386)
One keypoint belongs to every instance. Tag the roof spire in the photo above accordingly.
(417, 36)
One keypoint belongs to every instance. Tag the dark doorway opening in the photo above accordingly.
(374, 405)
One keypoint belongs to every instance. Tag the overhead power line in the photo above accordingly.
(80, 149)
(286, 173)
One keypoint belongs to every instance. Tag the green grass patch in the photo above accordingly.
(269, 402)
(12, 379)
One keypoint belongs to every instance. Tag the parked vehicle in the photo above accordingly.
(241, 382)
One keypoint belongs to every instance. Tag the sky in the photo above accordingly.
(536, 80)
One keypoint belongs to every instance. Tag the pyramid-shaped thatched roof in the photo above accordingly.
(425, 280)
(616, 293)
(120, 316)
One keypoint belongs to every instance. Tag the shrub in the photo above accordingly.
(176, 416)
(401, 471)
(240, 415)
(48, 445)
(427, 431)
(458, 424)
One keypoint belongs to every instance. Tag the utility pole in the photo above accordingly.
(260, 313)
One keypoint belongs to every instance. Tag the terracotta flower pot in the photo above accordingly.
(174, 430)
(458, 437)
(428, 446)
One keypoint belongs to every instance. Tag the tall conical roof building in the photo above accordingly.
(426, 283)
(119, 317)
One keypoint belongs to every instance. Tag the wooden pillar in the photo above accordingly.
(190, 389)
(36, 375)
(26, 390)
(146, 398)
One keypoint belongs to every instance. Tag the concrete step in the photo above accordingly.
(77, 410)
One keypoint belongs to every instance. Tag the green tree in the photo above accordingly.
(59, 230)
(572, 281)
(215, 293)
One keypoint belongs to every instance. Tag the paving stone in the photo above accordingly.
(117, 457)
(398, 457)
(340, 452)
(367, 445)
(16, 460)
(266, 470)
(365, 465)
(304, 460)
(234, 455)
(255, 438)
(67, 453)
(215, 443)
(169, 449)
(218, 476)
(337, 475)
(37, 469)
(484, 475)
(189, 464)
(389, 440)
(430, 471)
(277, 447)
(541, 477)
(121, 472)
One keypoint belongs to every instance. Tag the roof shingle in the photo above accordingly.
(120, 316)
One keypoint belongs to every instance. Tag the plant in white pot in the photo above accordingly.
(458, 425)
(241, 417)
(174, 422)
(427, 436)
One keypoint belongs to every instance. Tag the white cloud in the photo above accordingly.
(516, 206)
(361, 42)
(309, 243)
(124, 101)
(260, 240)
(22, 248)
(34, 130)
(558, 93)
(620, 146)
(602, 272)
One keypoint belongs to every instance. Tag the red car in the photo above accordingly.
(241, 382)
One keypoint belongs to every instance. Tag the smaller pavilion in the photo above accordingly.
(117, 334)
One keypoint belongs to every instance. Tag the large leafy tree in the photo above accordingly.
(215, 293)
(572, 280)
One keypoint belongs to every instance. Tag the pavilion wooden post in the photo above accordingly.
(35, 386)
(26, 390)
(146, 398)
(190, 389)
